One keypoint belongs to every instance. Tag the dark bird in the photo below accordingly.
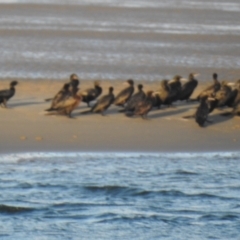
(188, 87)
(6, 94)
(202, 112)
(206, 106)
(60, 96)
(212, 89)
(143, 107)
(73, 86)
(103, 103)
(74, 82)
(175, 86)
(135, 99)
(162, 95)
(92, 93)
(125, 94)
(66, 105)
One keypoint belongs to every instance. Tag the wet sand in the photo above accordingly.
(26, 128)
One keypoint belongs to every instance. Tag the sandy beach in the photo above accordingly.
(26, 128)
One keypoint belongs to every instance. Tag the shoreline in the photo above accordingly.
(25, 128)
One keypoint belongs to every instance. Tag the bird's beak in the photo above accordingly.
(196, 74)
(183, 80)
(231, 84)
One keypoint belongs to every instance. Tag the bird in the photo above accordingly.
(103, 103)
(206, 106)
(67, 105)
(223, 94)
(176, 87)
(143, 107)
(133, 101)
(202, 112)
(124, 95)
(73, 86)
(210, 90)
(60, 96)
(188, 87)
(6, 94)
(161, 96)
(74, 82)
(91, 94)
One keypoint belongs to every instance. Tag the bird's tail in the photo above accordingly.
(86, 112)
(50, 109)
(129, 114)
(189, 116)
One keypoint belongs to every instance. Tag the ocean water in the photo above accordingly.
(120, 196)
(111, 39)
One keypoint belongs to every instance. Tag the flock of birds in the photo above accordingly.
(217, 95)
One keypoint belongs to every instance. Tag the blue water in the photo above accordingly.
(120, 196)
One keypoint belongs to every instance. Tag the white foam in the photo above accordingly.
(16, 157)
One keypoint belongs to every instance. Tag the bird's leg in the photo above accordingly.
(4, 103)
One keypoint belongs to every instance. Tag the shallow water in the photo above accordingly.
(143, 40)
(120, 196)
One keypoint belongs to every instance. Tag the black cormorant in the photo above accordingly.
(124, 95)
(6, 94)
(91, 94)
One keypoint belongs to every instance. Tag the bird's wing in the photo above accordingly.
(5, 93)
(122, 96)
(89, 92)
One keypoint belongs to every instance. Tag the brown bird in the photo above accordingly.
(61, 95)
(103, 103)
(143, 107)
(74, 82)
(125, 94)
(212, 89)
(67, 105)
(135, 99)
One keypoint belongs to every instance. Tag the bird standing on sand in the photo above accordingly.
(74, 82)
(188, 87)
(66, 105)
(223, 94)
(60, 96)
(210, 90)
(91, 94)
(202, 112)
(103, 103)
(206, 106)
(160, 97)
(175, 89)
(6, 94)
(125, 94)
(143, 107)
(135, 99)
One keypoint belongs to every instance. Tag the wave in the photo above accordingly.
(14, 209)
(32, 156)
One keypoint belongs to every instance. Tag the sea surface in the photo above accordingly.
(174, 196)
(116, 40)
